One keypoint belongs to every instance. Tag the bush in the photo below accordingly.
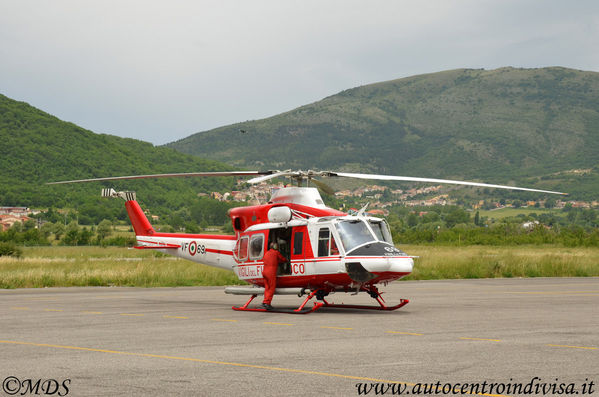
(119, 241)
(10, 249)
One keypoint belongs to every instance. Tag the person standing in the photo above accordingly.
(272, 258)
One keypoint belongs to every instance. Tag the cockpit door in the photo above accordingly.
(300, 248)
(298, 243)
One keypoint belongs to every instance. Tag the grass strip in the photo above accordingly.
(115, 266)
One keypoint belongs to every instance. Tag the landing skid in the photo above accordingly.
(320, 294)
(375, 294)
(402, 303)
(281, 310)
(299, 310)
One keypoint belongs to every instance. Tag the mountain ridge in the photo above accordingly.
(506, 124)
(38, 148)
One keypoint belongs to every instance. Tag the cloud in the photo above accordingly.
(159, 71)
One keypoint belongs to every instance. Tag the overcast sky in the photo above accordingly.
(160, 71)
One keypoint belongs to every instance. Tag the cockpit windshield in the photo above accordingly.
(354, 233)
(381, 230)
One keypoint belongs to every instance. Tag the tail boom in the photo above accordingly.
(211, 250)
(207, 249)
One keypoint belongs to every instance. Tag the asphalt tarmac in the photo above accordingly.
(188, 341)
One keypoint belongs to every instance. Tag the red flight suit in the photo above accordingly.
(272, 258)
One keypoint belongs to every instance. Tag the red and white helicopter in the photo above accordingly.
(327, 250)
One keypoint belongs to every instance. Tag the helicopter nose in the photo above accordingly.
(388, 264)
(381, 257)
(401, 265)
(390, 268)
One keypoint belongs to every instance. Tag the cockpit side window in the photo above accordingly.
(381, 231)
(334, 250)
(323, 241)
(326, 243)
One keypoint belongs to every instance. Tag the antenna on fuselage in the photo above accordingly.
(363, 209)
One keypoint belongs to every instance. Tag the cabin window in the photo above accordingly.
(326, 243)
(257, 246)
(243, 249)
(298, 243)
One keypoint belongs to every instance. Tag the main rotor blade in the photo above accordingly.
(177, 175)
(271, 175)
(433, 180)
(323, 186)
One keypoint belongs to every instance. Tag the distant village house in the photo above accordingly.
(11, 215)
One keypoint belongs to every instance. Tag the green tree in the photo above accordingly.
(550, 203)
(204, 224)
(191, 227)
(455, 216)
(84, 236)
(47, 229)
(104, 229)
(176, 221)
(17, 227)
(71, 236)
(58, 230)
(29, 224)
(412, 219)
(228, 227)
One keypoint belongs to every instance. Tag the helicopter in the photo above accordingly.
(327, 251)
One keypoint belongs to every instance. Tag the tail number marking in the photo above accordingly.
(193, 248)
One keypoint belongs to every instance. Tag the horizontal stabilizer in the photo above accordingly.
(127, 196)
(157, 247)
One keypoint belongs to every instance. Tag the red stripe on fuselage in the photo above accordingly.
(160, 244)
(325, 281)
(196, 236)
(327, 259)
(221, 252)
(377, 257)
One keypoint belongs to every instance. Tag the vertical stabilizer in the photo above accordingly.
(140, 222)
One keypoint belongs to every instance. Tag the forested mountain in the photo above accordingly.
(533, 126)
(36, 148)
